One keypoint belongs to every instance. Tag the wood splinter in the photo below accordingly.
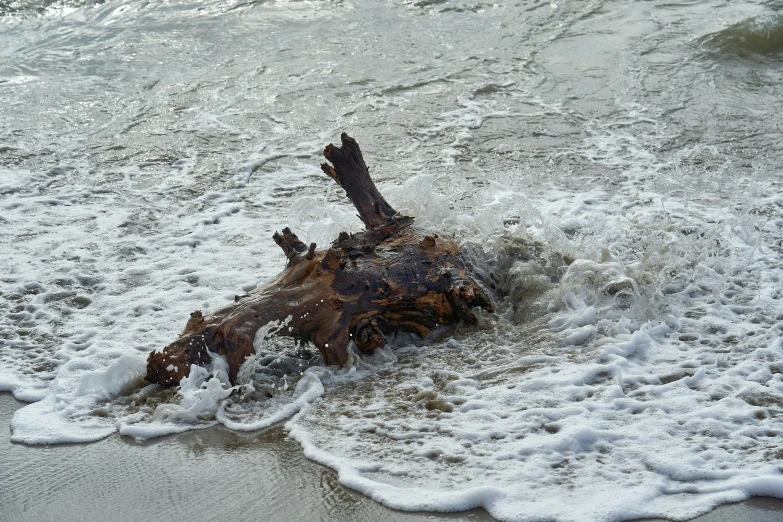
(362, 288)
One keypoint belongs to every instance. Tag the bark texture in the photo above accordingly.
(362, 288)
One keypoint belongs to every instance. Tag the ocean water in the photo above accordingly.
(612, 168)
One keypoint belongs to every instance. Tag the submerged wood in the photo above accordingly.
(362, 288)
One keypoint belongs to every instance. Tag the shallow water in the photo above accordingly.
(148, 151)
(211, 474)
(166, 477)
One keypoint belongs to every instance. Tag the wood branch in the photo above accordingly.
(361, 289)
(290, 244)
(352, 174)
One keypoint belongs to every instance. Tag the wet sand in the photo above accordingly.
(212, 474)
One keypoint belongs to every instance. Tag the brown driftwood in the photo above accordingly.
(365, 286)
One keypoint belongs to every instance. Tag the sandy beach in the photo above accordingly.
(211, 474)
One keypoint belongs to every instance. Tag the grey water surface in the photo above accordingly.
(150, 148)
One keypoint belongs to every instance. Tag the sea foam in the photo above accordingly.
(630, 238)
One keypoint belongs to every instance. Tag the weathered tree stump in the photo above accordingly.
(365, 286)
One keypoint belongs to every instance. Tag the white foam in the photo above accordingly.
(308, 389)
(65, 413)
(639, 407)
(639, 392)
(641, 379)
(201, 393)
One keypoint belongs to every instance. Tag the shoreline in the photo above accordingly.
(211, 474)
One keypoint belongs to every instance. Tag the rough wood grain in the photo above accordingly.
(362, 288)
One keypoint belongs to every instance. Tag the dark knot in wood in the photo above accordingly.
(369, 336)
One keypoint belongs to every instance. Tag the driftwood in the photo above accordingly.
(364, 287)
